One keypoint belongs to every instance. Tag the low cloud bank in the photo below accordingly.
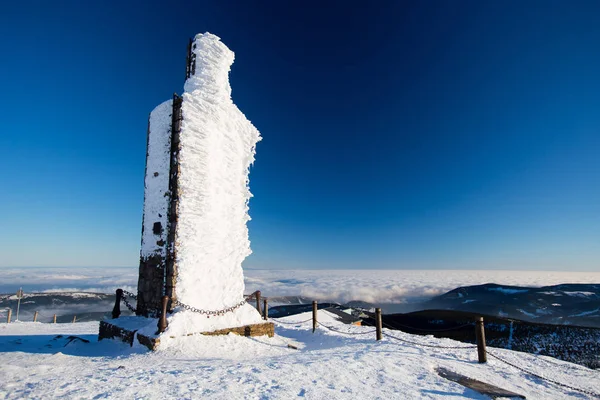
(371, 286)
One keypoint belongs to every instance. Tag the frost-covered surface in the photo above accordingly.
(217, 145)
(156, 202)
(327, 365)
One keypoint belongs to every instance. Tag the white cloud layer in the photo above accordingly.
(373, 286)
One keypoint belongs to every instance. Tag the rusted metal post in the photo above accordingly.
(266, 309)
(117, 308)
(74, 318)
(54, 319)
(258, 301)
(9, 316)
(480, 336)
(35, 315)
(162, 321)
(315, 308)
(378, 323)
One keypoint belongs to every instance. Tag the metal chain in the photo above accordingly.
(154, 310)
(124, 300)
(209, 312)
(133, 296)
(588, 392)
(184, 306)
(429, 345)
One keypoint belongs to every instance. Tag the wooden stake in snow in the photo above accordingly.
(480, 336)
(315, 308)
(162, 321)
(74, 318)
(54, 319)
(266, 309)
(378, 323)
(117, 308)
(8, 317)
(35, 315)
(258, 301)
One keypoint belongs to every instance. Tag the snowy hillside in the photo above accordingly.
(42, 361)
(568, 304)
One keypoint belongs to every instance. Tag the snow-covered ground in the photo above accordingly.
(327, 365)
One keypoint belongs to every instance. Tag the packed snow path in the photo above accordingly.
(327, 365)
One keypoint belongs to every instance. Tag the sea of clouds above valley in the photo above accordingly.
(373, 286)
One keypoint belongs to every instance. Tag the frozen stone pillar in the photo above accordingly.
(194, 237)
(156, 204)
(216, 149)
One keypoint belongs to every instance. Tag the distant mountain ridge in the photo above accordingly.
(566, 304)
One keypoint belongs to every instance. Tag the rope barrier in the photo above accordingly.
(428, 330)
(588, 392)
(346, 333)
(428, 345)
(290, 323)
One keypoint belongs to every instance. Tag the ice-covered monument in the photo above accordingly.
(194, 237)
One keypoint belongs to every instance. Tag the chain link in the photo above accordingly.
(129, 306)
(133, 296)
(187, 307)
(209, 312)
(153, 310)
(588, 392)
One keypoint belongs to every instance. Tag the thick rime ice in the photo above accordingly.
(217, 145)
(156, 200)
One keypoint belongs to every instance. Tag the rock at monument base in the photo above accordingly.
(124, 329)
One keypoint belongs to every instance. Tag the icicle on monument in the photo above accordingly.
(194, 235)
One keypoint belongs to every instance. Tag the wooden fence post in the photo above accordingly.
(74, 318)
(315, 308)
(266, 309)
(162, 322)
(258, 301)
(35, 315)
(9, 316)
(480, 336)
(117, 308)
(54, 319)
(378, 323)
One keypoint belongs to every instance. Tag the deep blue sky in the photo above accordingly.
(422, 134)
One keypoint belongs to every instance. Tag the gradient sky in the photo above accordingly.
(415, 134)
